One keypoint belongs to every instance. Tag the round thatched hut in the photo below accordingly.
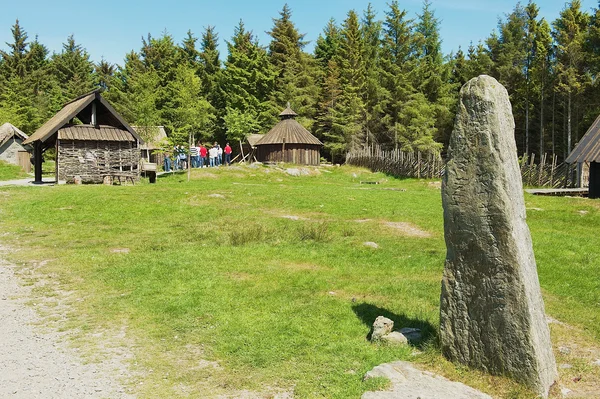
(289, 142)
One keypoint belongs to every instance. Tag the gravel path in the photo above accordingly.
(36, 364)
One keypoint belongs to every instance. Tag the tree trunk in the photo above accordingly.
(542, 120)
(527, 124)
(568, 127)
(553, 123)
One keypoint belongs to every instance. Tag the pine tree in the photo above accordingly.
(104, 74)
(570, 34)
(247, 80)
(193, 113)
(351, 106)
(295, 81)
(375, 95)
(433, 77)
(14, 62)
(211, 64)
(328, 44)
(188, 53)
(398, 63)
(541, 72)
(326, 126)
(73, 70)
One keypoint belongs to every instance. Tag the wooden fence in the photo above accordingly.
(398, 163)
(547, 173)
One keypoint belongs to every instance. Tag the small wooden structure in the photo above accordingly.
(289, 142)
(12, 149)
(248, 148)
(587, 154)
(151, 149)
(93, 142)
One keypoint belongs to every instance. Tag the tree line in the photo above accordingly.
(368, 81)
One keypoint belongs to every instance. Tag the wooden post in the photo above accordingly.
(56, 160)
(283, 150)
(37, 161)
(189, 168)
(242, 152)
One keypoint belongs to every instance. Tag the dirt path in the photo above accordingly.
(38, 364)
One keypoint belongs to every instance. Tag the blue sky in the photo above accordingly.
(112, 28)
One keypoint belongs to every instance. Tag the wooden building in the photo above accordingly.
(289, 142)
(153, 149)
(587, 155)
(12, 149)
(92, 142)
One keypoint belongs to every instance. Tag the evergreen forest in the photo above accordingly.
(370, 80)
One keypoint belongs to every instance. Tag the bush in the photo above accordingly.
(247, 235)
(313, 231)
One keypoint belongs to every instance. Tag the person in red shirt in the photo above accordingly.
(203, 152)
(227, 151)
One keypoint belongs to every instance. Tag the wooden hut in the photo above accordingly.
(587, 154)
(92, 141)
(289, 142)
(151, 149)
(12, 149)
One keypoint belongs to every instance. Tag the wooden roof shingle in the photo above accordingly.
(588, 148)
(92, 133)
(106, 115)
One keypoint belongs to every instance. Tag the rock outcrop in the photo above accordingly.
(492, 313)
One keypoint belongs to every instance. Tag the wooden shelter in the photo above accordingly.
(92, 142)
(289, 142)
(150, 150)
(587, 154)
(12, 149)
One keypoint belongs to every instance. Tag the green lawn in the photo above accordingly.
(271, 278)
(11, 172)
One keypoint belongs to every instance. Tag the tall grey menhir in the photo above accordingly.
(492, 313)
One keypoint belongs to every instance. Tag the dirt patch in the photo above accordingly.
(435, 185)
(301, 266)
(408, 229)
(576, 357)
(36, 360)
(239, 276)
(363, 220)
(293, 217)
(207, 174)
(120, 250)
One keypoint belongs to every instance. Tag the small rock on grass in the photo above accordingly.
(565, 392)
(382, 326)
(371, 244)
(395, 337)
(408, 382)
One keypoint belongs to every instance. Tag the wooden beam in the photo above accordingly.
(37, 161)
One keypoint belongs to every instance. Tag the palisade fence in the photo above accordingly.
(547, 173)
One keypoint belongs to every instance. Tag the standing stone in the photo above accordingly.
(492, 313)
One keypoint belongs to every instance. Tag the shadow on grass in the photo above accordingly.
(367, 313)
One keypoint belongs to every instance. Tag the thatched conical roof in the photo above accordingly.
(288, 112)
(8, 131)
(288, 130)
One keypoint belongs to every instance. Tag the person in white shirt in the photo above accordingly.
(219, 155)
(212, 155)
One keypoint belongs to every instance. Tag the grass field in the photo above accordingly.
(11, 172)
(251, 279)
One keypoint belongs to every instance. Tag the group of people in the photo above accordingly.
(200, 157)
